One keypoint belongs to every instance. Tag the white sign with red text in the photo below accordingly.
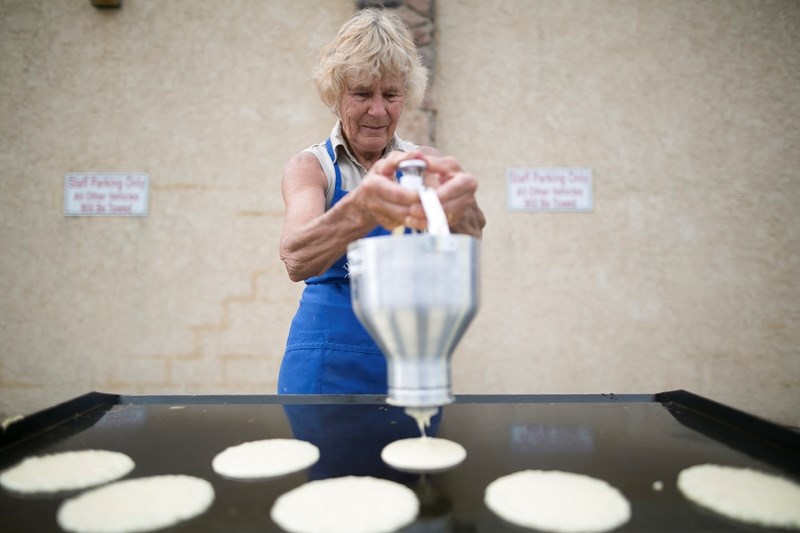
(549, 189)
(106, 194)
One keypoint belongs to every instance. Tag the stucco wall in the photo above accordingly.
(685, 275)
(210, 99)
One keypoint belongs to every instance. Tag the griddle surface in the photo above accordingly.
(629, 441)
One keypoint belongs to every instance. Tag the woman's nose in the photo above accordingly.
(377, 107)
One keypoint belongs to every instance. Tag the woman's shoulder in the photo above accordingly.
(305, 160)
(304, 165)
(306, 170)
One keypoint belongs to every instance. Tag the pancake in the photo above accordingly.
(743, 494)
(65, 471)
(134, 505)
(426, 454)
(346, 505)
(559, 502)
(265, 458)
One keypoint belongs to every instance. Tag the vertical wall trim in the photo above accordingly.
(419, 17)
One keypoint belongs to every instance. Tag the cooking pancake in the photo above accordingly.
(265, 458)
(346, 505)
(134, 505)
(65, 471)
(558, 502)
(743, 494)
(426, 454)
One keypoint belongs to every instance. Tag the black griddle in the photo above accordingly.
(631, 441)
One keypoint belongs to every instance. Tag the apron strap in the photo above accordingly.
(329, 147)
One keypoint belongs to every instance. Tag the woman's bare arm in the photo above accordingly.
(313, 239)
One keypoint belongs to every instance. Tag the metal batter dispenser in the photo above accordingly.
(416, 294)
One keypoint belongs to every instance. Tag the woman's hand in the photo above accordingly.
(456, 190)
(381, 199)
(312, 238)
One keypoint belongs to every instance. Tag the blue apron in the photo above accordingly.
(328, 350)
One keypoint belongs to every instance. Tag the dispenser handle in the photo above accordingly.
(410, 176)
(437, 220)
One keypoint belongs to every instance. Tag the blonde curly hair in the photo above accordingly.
(374, 44)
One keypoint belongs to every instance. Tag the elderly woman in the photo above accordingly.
(344, 189)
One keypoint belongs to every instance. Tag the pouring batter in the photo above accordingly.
(424, 454)
(423, 417)
(344, 189)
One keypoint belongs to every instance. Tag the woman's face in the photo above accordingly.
(370, 114)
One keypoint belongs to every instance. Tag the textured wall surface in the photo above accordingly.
(687, 272)
(685, 275)
(210, 99)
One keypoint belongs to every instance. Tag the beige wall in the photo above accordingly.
(685, 275)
